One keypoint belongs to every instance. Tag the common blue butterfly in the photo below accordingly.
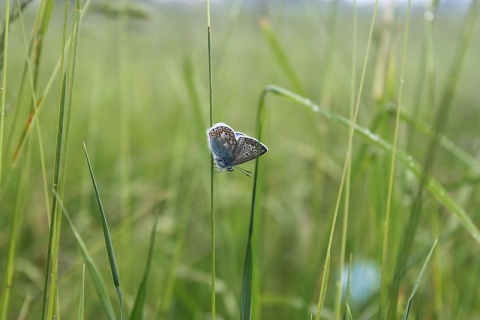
(230, 148)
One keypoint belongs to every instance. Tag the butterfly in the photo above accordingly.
(230, 148)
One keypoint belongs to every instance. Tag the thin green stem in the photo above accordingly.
(440, 122)
(33, 117)
(4, 85)
(345, 166)
(14, 236)
(51, 269)
(338, 301)
(212, 185)
(394, 154)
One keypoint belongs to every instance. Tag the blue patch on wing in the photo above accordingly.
(220, 151)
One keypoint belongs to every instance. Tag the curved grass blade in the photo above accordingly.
(433, 186)
(246, 301)
(97, 279)
(450, 146)
(417, 283)
(108, 239)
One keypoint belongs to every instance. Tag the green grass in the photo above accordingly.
(338, 189)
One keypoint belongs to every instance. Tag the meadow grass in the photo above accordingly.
(371, 124)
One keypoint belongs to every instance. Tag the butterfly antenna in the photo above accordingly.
(245, 172)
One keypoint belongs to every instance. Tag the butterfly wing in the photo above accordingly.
(247, 149)
(222, 143)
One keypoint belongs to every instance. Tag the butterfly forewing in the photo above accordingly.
(247, 149)
(222, 142)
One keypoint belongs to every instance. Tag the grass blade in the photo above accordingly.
(440, 122)
(433, 186)
(346, 169)
(81, 301)
(55, 221)
(4, 55)
(246, 302)
(92, 268)
(10, 265)
(417, 283)
(393, 159)
(108, 239)
(137, 310)
(246, 294)
(212, 185)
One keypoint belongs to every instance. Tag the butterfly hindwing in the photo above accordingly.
(222, 142)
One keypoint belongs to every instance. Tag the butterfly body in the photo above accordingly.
(230, 148)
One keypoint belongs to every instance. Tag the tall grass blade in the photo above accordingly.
(10, 263)
(41, 24)
(108, 239)
(417, 283)
(51, 270)
(386, 225)
(81, 300)
(53, 241)
(3, 61)
(92, 268)
(246, 294)
(246, 302)
(138, 305)
(33, 118)
(440, 122)
(41, 99)
(212, 185)
(346, 210)
(345, 169)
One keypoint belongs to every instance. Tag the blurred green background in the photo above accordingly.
(140, 104)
